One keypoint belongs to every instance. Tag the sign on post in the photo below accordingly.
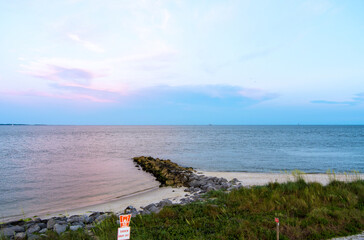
(123, 233)
(125, 220)
(124, 229)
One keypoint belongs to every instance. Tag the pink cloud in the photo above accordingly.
(60, 72)
(74, 96)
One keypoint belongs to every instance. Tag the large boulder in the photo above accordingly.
(33, 229)
(60, 228)
(7, 232)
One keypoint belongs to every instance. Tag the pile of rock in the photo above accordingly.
(151, 208)
(37, 227)
(203, 184)
(169, 173)
(166, 172)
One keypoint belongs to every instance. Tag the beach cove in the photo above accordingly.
(175, 188)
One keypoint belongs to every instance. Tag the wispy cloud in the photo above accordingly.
(207, 95)
(359, 98)
(199, 95)
(63, 70)
(87, 44)
(94, 94)
(48, 95)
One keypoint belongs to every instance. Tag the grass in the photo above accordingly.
(305, 210)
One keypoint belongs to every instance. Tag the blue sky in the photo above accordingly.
(182, 62)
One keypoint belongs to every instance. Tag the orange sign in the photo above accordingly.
(125, 220)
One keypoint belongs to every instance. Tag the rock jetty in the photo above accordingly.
(166, 172)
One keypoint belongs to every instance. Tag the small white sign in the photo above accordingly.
(123, 233)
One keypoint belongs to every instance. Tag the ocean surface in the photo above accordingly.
(45, 169)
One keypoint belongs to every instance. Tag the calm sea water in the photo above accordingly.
(51, 168)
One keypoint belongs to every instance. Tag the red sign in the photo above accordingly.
(125, 220)
(276, 220)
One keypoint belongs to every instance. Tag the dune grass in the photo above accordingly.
(305, 210)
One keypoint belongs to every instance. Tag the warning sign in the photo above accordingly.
(123, 233)
(125, 220)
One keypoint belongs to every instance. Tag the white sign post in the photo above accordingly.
(123, 233)
(124, 229)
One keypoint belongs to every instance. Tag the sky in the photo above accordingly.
(179, 62)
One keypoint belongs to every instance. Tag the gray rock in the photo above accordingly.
(42, 225)
(96, 214)
(75, 227)
(195, 183)
(144, 212)
(20, 236)
(222, 180)
(131, 210)
(89, 220)
(33, 237)
(18, 228)
(7, 232)
(101, 218)
(78, 223)
(164, 202)
(89, 226)
(154, 209)
(76, 218)
(37, 220)
(51, 222)
(148, 206)
(234, 181)
(44, 230)
(60, 228)
(33, 229)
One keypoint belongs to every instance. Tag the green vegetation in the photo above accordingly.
(305, 210)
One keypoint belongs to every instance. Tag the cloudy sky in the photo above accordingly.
(182, 62)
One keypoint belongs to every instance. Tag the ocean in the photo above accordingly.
(45, 169)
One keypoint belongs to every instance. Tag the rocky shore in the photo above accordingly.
(165, 171)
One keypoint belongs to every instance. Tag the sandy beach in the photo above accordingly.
(175, 194)
(251, 179)
(118, 205)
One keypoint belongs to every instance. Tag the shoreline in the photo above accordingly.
(175, 194)
(259, 179)
(137, 200)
